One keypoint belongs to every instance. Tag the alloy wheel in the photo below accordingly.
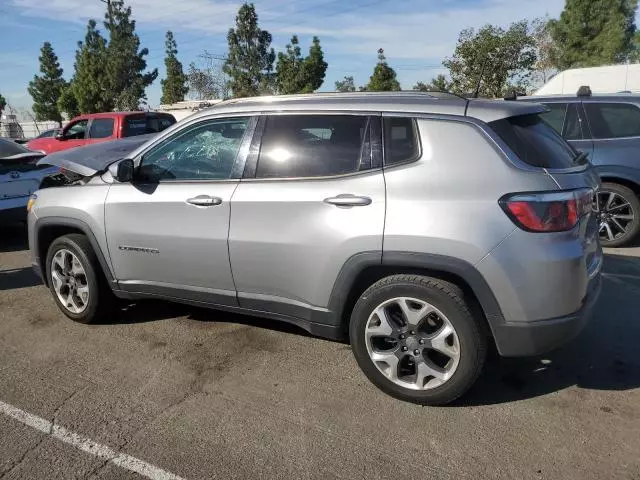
(412, 343)
(69, 281)
(615, 213)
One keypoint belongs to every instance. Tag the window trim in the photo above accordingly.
(251, 166)
(416, 128)
(588, 122)
(238, 163)
(113, 127)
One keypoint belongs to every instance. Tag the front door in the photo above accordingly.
(167, 230)
(314, 199)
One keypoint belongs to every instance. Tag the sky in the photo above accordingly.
(416, 35)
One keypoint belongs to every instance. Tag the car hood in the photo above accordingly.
(21, 156)
(92, 159)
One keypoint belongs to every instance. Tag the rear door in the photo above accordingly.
(313, 196)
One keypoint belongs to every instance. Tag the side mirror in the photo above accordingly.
(60, 137)
(125, 171)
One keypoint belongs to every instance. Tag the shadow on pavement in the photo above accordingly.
(603, 357)
(154, 310)
(13, 238)
(18, 278)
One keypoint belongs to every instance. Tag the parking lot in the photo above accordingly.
(176, 391)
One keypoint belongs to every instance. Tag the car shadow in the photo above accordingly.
(155, 310)
(603, 357)
(18, 278)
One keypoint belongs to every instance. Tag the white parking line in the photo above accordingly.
(86, 444)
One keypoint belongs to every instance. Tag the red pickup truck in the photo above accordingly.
(101, 127)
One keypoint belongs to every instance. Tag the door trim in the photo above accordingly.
(186, 292)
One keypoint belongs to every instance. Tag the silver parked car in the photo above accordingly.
(424, 226)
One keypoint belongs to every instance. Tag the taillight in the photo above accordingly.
(548, 212)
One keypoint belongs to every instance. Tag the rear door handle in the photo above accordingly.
(204, 201)
(348, 200)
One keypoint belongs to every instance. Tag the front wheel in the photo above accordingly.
(75, 280)
(416, 339)
(619, 214)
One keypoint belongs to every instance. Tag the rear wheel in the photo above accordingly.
(76, 281)
(416, 339)
(619, 214)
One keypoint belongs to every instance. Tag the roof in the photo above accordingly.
(400, 102)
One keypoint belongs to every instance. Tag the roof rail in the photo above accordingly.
(434, 94)
(584, 91)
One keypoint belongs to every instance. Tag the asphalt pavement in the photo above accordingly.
(171, 392)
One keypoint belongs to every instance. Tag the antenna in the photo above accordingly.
(484, 63)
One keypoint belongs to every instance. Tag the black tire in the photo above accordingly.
(447, 298)
(101, 298)
(633, 227)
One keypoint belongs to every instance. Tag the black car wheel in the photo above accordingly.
(619, 214)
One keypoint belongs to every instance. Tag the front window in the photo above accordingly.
(77, 130)
(205, 151)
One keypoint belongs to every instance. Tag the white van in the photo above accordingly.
(610, 79)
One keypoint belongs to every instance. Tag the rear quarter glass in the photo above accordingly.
(535, 142)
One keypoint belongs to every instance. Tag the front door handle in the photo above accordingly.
(204, 201)
(348, 200)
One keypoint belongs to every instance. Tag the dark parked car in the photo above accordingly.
(607, 129)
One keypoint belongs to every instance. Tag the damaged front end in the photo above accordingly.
(79, 165)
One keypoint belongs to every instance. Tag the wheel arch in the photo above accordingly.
(47, 229)
(362, 270)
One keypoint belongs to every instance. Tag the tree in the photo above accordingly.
(345, 85)
(384, 77)
(438, 83)
(546, 53)
(174, 86)
(249, 64)
(3, 104)
(297, 74)
(206, 80)
(125, 63)
(315, 67)
(90, 85)
(491, 58)
(67, 102)
(594, 32)
(46, 89)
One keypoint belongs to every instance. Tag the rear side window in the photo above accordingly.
(101, 128)
(140, 125)
(312, 145)
(534, 141)
(613, 120)
(400, 140)
(555, 115)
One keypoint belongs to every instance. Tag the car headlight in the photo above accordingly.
(31, 202)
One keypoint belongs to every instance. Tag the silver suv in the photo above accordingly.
(426, 227)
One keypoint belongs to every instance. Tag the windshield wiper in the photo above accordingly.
(578, 159)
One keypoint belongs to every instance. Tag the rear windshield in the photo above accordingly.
(140, 125)
(535, 142)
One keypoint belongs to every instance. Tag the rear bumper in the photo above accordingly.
(521, 339)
